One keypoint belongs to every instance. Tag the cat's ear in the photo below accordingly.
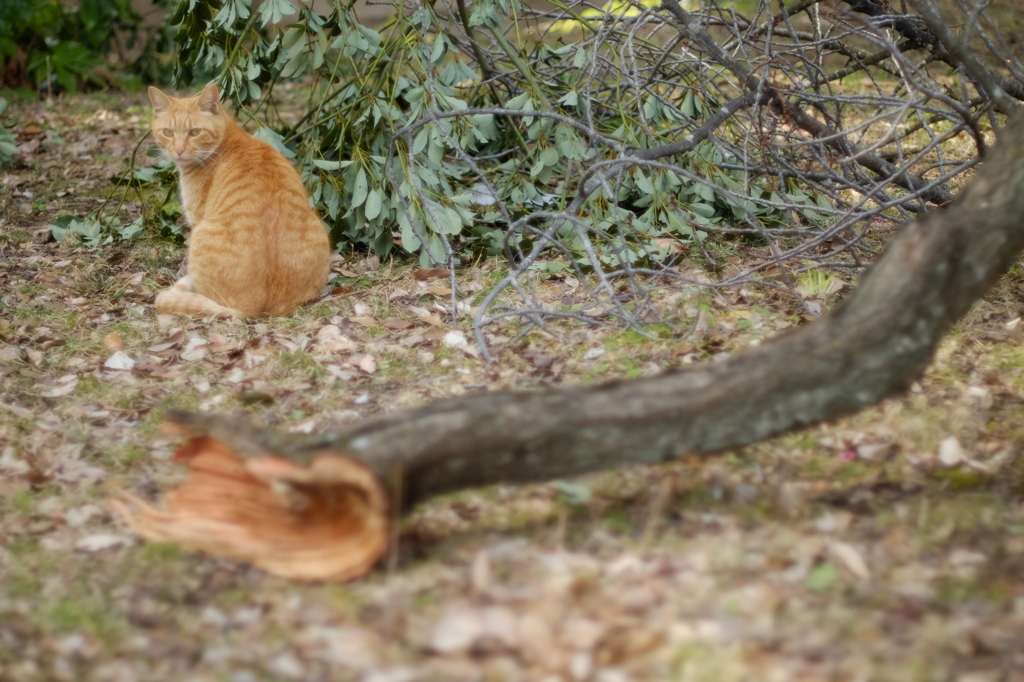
(209, 100)
(161, 102)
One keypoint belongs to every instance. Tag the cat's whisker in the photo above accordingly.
(206, 156)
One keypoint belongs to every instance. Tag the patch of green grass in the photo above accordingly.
(23, 501)
(700, 662)
(850, 472)
(126, 456)
(160, 551)
(22, 584)
(961, 480)
(86, 613)
(952, 593)
(300, 362)
(619, 519)
(23, 545)
(127, 399)
(822, 577)
(89, 386)
(14, 236)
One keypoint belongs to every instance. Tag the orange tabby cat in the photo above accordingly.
(256, 247)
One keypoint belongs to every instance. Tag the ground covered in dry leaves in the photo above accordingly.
(887, 547)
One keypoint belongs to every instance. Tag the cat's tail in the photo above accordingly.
(179, 301)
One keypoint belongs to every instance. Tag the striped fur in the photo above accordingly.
(256, 247)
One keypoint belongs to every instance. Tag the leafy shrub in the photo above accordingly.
(412, 132)
(58, 44)
(8, 141)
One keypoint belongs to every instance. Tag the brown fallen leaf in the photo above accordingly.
(433, 319)
(368, 265)
(395, 323)
(365, 320)
(326, 521)
(422, 274)
(113, 341)
(368, 364)
(440, 291)
(435, 334)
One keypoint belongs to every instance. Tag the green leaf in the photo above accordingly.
(438, 48)
(537, 168)
(580, 58)
(273, 11)
(453, 222)
(643, 182)
(518, 101)
(331, 200)
(373, 205)
(330, 165)
(687, 106)
(359, 189)
(410, 242)
(419, 143)
(575, 494)
(270, 136)
(822, 577)
(703, 210)
(569, 99)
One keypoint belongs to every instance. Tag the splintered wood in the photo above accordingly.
(327, 521)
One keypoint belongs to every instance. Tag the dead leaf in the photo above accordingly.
(119, 361)
(950, 452)
(113, 341)
(368, 265)
(195, 349)
(540, 359)
(422, 274)
(365, 321)
(432, 319)
(439, 291)
(851, 558)
(62, 386)
(329, 333)
(79, 516)
(395, 323)
(673, 245)
(17, 410)
(435, 334)
(102, 541)
(368, 364)
(457, 631)
(456, 339)
(219, 343)
(12, 465)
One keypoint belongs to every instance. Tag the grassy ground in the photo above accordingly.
(886, 547)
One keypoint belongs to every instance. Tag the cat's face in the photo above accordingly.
(188, 129)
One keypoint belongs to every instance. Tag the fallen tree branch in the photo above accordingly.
(690, 29)
(927, 38)
(872, 346)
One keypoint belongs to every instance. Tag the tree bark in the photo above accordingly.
(872, 346)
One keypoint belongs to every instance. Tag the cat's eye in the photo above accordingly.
(168, 132)
(194, 132)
